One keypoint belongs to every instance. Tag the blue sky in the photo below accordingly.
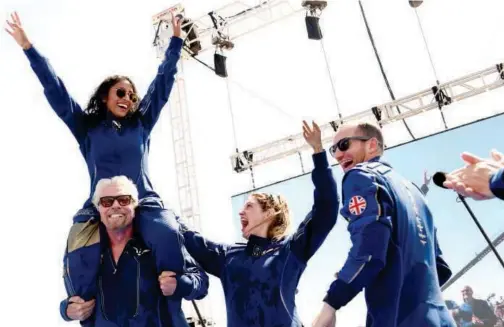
(458, 236)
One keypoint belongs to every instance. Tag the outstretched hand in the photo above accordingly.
(17, 32)
(313, 136)
(176, 25)
(427, 178)
(473, 179)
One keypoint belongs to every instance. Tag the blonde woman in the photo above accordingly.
(260, 277)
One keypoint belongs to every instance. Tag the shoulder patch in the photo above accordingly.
(357, 205)
(82, 235)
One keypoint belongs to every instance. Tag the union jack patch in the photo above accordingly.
(357, 205)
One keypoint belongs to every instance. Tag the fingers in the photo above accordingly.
(315, 127)
(175, 20)
(12, 25)
(496, 155)
(167, 274)
(18, 21)
(86, 311)
(86, 314)
(306, 126)
(470, 158)
(448, 184)
(80, 310)
(89, 304)
(306, 130)
(76, 299)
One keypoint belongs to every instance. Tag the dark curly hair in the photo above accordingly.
(96, 110)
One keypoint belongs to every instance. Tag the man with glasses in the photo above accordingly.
(395, 254)
(130, 291)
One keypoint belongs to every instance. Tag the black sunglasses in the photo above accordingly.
(121, 93)
(108, 201)
(344, 144)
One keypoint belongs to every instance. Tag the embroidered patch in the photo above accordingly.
(357, 205)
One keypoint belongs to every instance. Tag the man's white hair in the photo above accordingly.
(128, 186)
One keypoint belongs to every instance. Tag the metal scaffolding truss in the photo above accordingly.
(498, 240)
(415, 104)
(225, 24)
(183, 153)
(217, 29)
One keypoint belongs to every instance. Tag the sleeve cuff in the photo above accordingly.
(340, 294)
(424, 189)
(175, 44)
(63, 310)
(184, 287)
(497, 184)
(32, 54)
(320, 160)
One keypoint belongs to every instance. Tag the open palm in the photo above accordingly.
(17, 31)
(312, 135)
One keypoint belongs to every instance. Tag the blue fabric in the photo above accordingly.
(63, 310)
(110, 151)
(121, 147)
(260, 277)
(395, 255)
(497, 184)
(82, 267)
(479, 309)
(129, 293)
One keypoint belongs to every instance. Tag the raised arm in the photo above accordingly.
(54, 89)
(312, 232)
(209, 255)
(368, 207)
(159, 91)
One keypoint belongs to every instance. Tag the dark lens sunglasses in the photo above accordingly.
(121, 93)
(108, 201)
(344, 144)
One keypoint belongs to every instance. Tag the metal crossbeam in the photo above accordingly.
(498, 240)
(232, 21)
(415, 104)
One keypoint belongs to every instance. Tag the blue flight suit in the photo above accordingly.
(129, 293)
(395, 255)
(113, 147)
(260, 277)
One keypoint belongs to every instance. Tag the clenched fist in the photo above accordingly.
(78, 309)
(168, 282)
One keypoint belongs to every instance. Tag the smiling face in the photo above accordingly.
(351, 146)
(121, 98)
(116, 207)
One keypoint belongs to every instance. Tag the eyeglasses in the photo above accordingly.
(121, 93)
(108, 201)
(344, 144)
